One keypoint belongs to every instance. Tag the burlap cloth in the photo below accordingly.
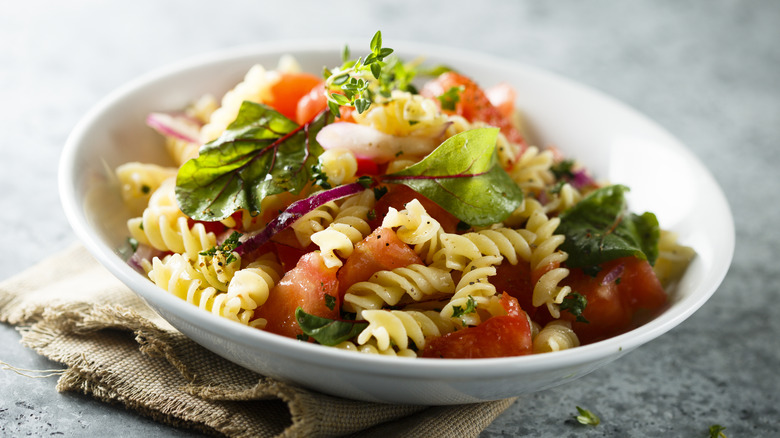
(116, 349)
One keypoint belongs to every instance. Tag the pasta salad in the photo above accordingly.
(393, 208)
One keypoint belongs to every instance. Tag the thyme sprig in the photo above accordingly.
(349, 85)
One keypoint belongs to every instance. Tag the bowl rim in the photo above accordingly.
(419, 367)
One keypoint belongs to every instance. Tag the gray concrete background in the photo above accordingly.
(708, 71)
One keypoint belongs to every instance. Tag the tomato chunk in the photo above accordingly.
(499, 336)
(289, 90)
(623, 291)
(311, 104)
(305, 286)
(398, 195)
(381, 250)
(473, 103)
(516, 281)
(502, 96)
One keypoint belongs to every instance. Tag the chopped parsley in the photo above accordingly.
(587, 417)
(330, 301)
(471, 307)
(575, 304)
(319, 177)
(563, 169)
(450, 98)
(225, 248)
(716, 431)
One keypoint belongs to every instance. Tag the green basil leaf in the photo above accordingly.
(261, 153)
(463, 176)
(600, 228)
(328, 331)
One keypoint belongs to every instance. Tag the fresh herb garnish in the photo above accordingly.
(328, 331)
(319, 177)
(330, 301)
(463, 176)
(225, 248)
(575, 304)
(133, 243)
(716, 431)
(379, 192)
(450, 98)
(349, 84)
(261, 153)
(471, 307)
(563, 169)
(600, 228)
(587, 417)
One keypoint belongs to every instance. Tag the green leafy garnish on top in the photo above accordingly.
(350, 84)
(600, 228)
(328, 331)
(463, 176)
(261, 153)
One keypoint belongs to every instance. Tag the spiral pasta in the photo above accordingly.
(546, 258)
(405, 114)
(314, 221)
(557, 335)
(137, 182)
(472, 292)
(253, 284)
(339, 165)
(532, 171)
(396, 327)
(415, 281)
(416, 228)
(460, 249)
(561, 200)
(349, 227)
(673, 259)
(164, 227)
(174, 274)
(371, 348)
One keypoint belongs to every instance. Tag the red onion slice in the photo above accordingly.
(294, 212)
(614, 274)
(175, 125)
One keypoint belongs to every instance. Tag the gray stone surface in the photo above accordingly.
(708, 71)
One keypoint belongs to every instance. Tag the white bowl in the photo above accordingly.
(615, 142)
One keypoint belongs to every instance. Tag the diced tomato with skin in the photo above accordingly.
(304, 286)
(473, 103)
(516, 281)
(499, 336)
(314, 102)
(366, 166)
(381, 250)
(289, 90)
(510, 305)
(311, 104)
(502, 96)
(623, 290)
(211, 227)
(398, 195)
(288, 249)
(345, 114)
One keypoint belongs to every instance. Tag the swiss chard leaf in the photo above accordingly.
(463, 176)
(261, 153)
(328, 331)
(600, 228)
